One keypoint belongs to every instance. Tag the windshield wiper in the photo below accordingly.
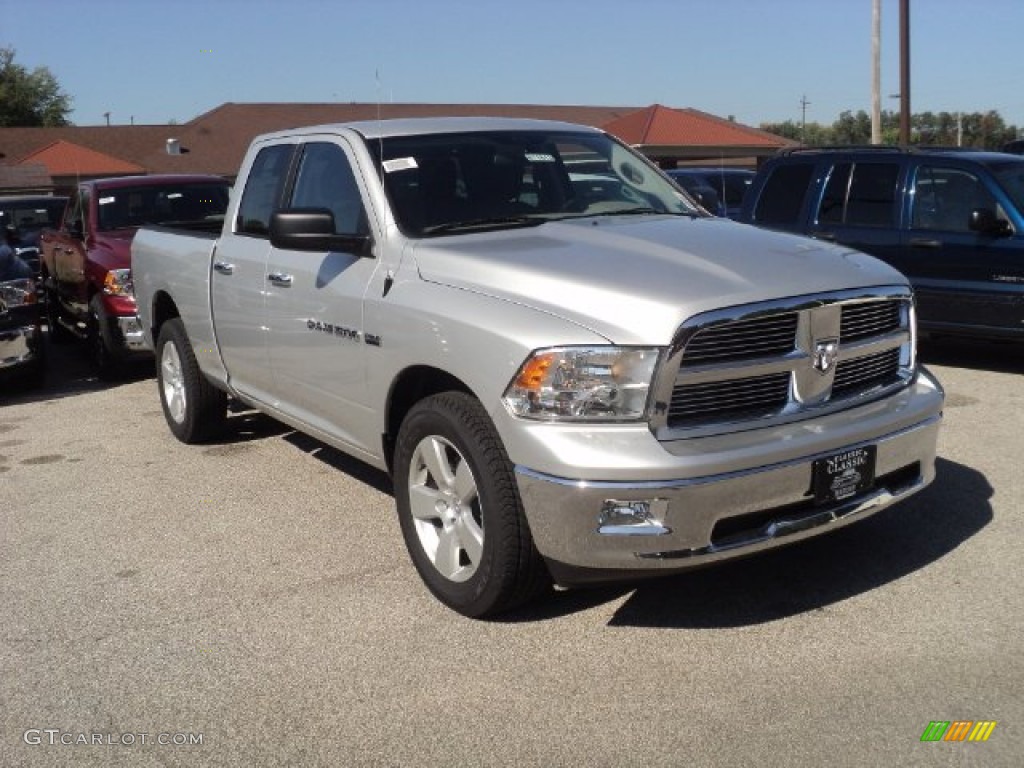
(498, 222)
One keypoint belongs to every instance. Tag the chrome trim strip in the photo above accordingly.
(784, 527)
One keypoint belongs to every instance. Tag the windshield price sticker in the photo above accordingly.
(844, 475)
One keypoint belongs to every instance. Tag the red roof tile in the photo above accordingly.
(661, 126)
(62, 158)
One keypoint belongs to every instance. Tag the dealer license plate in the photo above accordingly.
(844, 475)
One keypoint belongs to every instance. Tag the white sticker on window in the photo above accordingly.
(538, 157)
(107, 200)
(400, 164)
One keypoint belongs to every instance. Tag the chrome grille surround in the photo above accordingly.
(743, 368)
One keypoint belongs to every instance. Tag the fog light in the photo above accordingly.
(633, 517)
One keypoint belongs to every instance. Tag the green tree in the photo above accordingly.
(985, 130)
(30, 98)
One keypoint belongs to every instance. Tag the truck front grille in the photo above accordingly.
(784, 361)
(864, 372)
(730, 398)
(874, 318)
(743, 339)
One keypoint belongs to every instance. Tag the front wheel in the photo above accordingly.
(195, 410)
(107, 357)
(459, 508)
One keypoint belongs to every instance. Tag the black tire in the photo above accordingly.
(476, 553)
(195, 410)
(107, 357)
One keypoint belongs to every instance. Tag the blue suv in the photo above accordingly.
(951, 220)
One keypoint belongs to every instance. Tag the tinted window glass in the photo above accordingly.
(263, 189)
(833, 201)
(945, 197)
(872, 196)
(454, 183)
(325, 180)
(169, 203)
(783, 196)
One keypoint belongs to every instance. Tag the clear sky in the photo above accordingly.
(155, 61)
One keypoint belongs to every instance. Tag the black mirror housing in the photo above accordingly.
(986, 222)
(312, 229)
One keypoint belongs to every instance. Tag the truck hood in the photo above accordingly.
(634, 280)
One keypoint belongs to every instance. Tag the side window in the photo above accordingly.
(325, 180)
(945, 197)
(872, 198)
(833, 201)
(263, 189)
(782, 196)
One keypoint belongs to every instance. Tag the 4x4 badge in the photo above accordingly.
(825, 353)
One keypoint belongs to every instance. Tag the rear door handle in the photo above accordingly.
(925, 242)
(280, 279)
(828, 236)
(224, 267)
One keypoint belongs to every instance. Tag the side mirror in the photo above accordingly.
(76, 230)
(709, 200)
(985, 222)
(312, 229)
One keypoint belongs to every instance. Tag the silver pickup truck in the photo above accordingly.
(571, 371)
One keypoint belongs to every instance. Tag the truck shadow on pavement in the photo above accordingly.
(68, 373)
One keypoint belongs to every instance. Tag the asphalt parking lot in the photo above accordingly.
(250, 603)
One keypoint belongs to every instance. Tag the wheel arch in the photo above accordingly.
(163, 309)
(408, 388)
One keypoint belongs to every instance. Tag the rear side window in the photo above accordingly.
(325, 180)
(860, 195)
(782, 196)
(263, 189)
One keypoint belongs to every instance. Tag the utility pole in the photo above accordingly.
(905, 72)
(876, 71)
(804, 103)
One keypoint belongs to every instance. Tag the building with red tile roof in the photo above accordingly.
(215, 141)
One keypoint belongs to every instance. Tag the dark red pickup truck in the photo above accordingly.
(86, 264)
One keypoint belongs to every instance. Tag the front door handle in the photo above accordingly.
(280, 279)
(925, 242)
(827, 236)
(224, 267)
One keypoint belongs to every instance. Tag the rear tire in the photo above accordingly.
(460, 511)
(195, 410)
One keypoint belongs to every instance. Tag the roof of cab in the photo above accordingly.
(417, 126)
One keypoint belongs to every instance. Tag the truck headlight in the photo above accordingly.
(15, 293)
(118, 282)
(583, 384)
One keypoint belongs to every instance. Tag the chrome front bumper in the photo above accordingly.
(680, 523)
(130, 330)
(19, 345)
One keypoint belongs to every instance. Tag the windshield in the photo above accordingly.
(128, 207)
(29, 217)
(1011, 178)
(448, 183)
